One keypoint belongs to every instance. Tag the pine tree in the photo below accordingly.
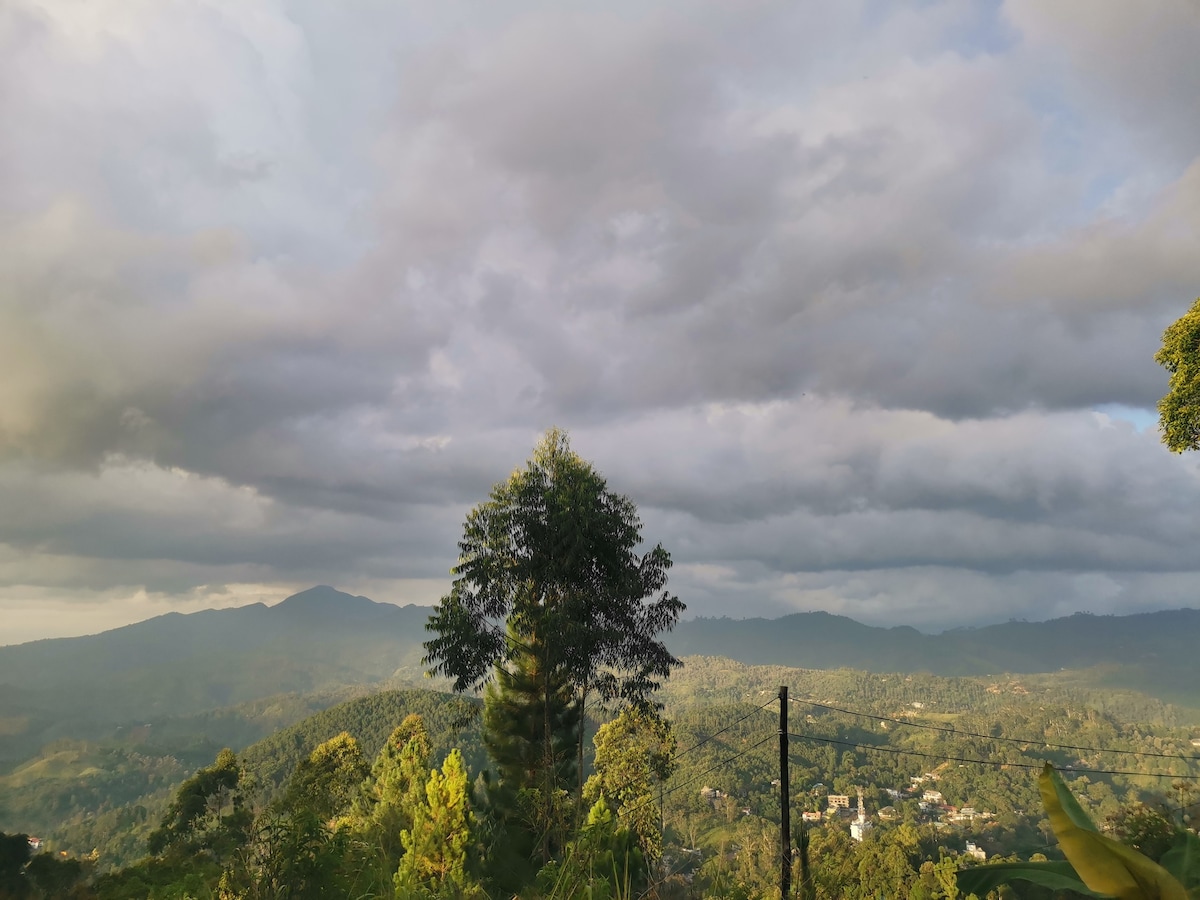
(436, 846)
(394, 789)
(528, 750)
(531, 728)
(326, 781)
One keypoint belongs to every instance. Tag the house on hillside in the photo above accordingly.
(35, 844)
(712, 795)
(838, 801)
(933, 797)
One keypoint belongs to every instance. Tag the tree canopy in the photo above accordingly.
(553, 557)
(1179, 409)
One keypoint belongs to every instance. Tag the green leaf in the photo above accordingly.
(1057, 875)
(1105, 866)
(1066, 800)
(1183, 859)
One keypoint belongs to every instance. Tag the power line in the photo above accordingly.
(616, 792)
(695, 778)
(704, 741)
(723, 762)
(982, 762)
(1007, 740)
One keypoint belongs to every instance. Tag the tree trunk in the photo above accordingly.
(582, 733)
(548, 763)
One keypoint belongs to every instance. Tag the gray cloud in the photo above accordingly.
(830, 291)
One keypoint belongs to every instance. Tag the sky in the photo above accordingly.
(857, 301)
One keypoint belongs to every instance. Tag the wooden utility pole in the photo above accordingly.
(785, 803)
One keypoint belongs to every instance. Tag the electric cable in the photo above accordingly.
(704, 741)
(1008, 740)
(695, 778)
(999, 763)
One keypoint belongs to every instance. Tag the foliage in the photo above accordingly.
(531, 729)
(725, 845)
(1101, 866)
(395, 786)
(604, 861)
(530, 712)
(370, 720)
(1144, 828)
(290, 855)
(634, 752)
(1179, 409)
(328, 779)
(553, 556)
(436, 846)
(109, 795)
(553, 553)
(208, 812)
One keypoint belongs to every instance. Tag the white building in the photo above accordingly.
(860, 826)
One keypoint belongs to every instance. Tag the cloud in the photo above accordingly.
(830, 291)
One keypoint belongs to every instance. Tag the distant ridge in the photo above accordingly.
(823, 640)
(322, 639)
(178, 664)
(1153, 652)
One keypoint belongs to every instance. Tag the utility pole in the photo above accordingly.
(785, 808)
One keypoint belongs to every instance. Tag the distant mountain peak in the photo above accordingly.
(323, 603)
(321, 597)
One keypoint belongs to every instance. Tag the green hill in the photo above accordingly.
(177, 665)
(108, 794)
(452, 722)
(323, 640)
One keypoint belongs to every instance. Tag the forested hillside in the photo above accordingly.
(451, 721)
(110, 797)
(177, 665)
(324, 641)
(106, 795)
(96, 780)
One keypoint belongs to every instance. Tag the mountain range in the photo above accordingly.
(323, 639)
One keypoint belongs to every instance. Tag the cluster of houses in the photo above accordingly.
(931, 801)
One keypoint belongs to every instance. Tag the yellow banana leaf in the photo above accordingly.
(1105, 866)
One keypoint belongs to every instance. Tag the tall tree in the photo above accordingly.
(517, 732)
(1179, 409)
(549, 570)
